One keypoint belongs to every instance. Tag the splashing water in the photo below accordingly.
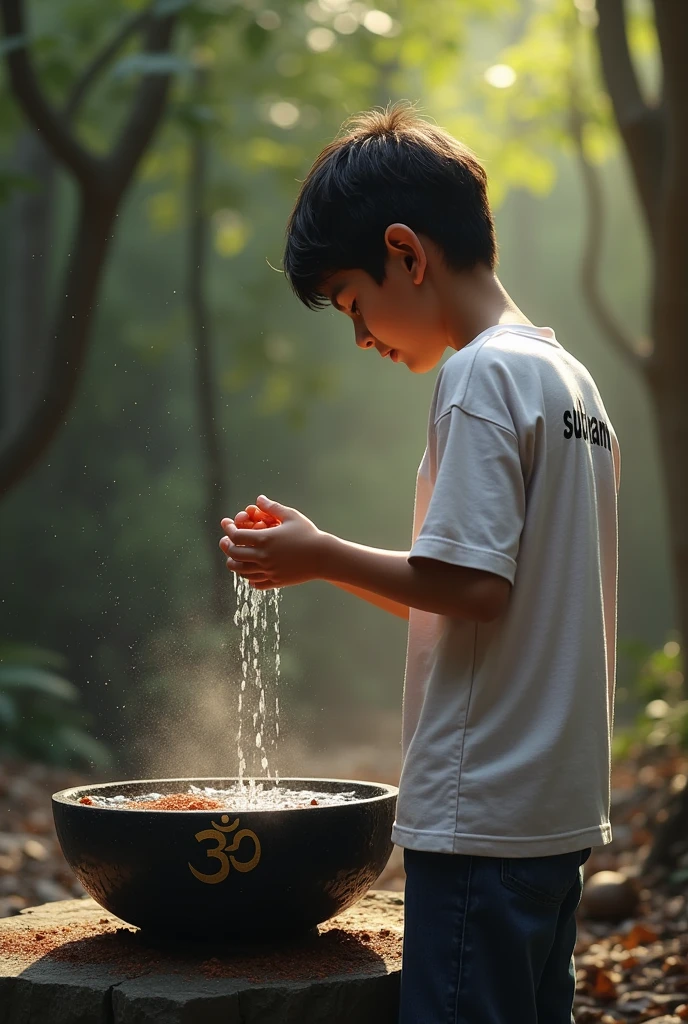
(254, 609)
(236, 797)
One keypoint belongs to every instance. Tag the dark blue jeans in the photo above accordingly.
(489, 940)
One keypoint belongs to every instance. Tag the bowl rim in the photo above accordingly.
(70, 796)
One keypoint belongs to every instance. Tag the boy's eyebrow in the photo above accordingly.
(334, 296)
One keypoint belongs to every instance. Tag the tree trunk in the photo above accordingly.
(668, 379)
(102, 183)
(79, 290)
(671, 409)
(29, 229)
(670, 837)
(667, 372)
(655, 137)
(213, 469)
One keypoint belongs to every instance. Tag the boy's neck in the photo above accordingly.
(475, 300)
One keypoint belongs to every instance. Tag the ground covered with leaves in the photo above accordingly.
(629, 970)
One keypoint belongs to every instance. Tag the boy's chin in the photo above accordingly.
(422, 363)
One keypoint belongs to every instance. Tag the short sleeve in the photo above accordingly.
(477, 508)
(616, 455)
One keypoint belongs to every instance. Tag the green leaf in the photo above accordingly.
(27, 677)
(255, 38)
(86, 747)
(266, 152)
(231, 232)
(637, 650)
(21, 654)
(152, 64)
(164, 210)
(277, 393)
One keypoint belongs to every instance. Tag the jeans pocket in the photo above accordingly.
(545, 880)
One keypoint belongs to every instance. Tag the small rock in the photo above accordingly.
(609, 896)
(675, 965)
(49, 891)
(9, 862)
(9, 885)
(9, 843)
(11, 905)
(35, 850)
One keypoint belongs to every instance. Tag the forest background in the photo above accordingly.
(108, 574)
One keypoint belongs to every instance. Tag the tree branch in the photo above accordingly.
(102, 183)
(630, 349)
(640, 125)
(617, 64)
(671, 19)
(147, 108)
(50, 123)
(30, 235)
(22, 448)
(671, 263)
(201, 326)
(101, 61)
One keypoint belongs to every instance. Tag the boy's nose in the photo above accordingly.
(364, 338)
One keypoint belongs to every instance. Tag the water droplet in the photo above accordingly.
(257, 617)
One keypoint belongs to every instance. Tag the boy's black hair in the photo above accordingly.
(386, 166)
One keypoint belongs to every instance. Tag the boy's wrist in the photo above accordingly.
(328, 556)
(344, 561)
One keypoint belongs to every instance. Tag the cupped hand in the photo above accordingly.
(253, 518)
(284, 554)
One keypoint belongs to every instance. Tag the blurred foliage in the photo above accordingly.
(104, 558)
(39, 715)
(659, 686)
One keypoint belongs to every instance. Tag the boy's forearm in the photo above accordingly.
(436, 587)
(394, 607)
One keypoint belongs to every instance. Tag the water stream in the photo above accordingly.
(257, 616)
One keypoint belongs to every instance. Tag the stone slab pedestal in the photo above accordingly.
(73, 963)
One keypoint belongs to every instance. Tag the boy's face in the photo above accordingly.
(400, 317)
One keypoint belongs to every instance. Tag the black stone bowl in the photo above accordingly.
(235, 877)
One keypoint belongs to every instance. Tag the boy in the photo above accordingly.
(509, 587)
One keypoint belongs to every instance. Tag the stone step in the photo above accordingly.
(71, 962)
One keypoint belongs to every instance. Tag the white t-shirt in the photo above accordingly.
(507, 725)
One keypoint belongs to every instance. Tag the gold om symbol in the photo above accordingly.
(220, 851)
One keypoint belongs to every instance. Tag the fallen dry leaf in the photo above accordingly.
(604, 987)
(639, 935)
(627, 973)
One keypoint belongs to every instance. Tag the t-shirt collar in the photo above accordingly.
(543, 333)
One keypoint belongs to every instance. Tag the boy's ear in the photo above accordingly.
(404, 244)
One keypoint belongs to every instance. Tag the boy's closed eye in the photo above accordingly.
(353, 309)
